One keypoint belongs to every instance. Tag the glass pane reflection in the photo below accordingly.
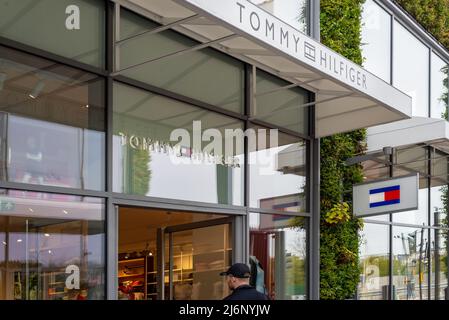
(52, 123)
(374, 262)
(278, 252)
(52, 247)
(410, 263)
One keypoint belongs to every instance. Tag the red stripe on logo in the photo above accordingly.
(392, 195)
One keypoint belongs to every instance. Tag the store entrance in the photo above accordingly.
(172, 254)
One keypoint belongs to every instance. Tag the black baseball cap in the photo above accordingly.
(238, 270)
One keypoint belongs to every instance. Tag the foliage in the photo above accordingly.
(339, 240)
(141, 174)
(433, 15)
(445, 96)
(444, 211)
(338, 213)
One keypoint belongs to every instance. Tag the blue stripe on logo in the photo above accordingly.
(373, 191)
(384, 203)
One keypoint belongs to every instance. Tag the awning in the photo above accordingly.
(347, 96)
(417, 131)
(409, 140)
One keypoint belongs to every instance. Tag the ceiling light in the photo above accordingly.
(86, 106)
(65, 211)
(31, 210)
(49, 251)
(150, 254)
(19, 240)
(46, 234)
(3, 77)
(4, 242)
(37, 89)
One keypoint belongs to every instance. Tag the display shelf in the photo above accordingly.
(131, 275)
(131, 260)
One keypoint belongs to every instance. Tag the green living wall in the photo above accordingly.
(433, 15)
(341, 31)
(339, 241)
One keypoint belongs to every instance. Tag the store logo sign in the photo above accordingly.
(263, 26)
(386, 196)
(211, 146)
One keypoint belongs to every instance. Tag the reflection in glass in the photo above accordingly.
(374, 262)
(169, 149)
(293, 12)
(411, 69)
(439, 198)
(51, 247)
(439, 88)
(205, 74)
(51, 123)
(410, 263)
(277, 172)
(279, 106)
(278, 254)
(46, 25)
(376, 35)
(439, 263)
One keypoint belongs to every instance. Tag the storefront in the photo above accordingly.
(147, 145)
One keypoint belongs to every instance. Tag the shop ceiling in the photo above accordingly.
(347, 97)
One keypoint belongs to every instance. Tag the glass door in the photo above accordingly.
(195, 254)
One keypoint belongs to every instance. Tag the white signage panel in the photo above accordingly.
(245, 18)
(386, 196)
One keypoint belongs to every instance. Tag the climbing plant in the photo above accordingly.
(339, 240)
(433, 15)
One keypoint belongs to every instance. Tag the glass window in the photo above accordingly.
(204, 75)
(410, 263)
(439, 197)
(277, 171)
(412, 160)
(278, 255)
(374, 262)
(439, 87)
(293, 12)
(168, 149)
(376, 39)
(71, 28)
(411, 69)
(279, 106)
(52, 247)
(51, 123)
(440, 263)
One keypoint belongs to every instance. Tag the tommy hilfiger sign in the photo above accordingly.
(386, 196)
(260, 24)
(295, 41)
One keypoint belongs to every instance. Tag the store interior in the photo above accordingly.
(193, 247)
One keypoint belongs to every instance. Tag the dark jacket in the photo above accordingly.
(246, 292)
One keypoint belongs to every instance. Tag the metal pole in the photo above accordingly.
(314, 236)
(160, 263)
(390, 278)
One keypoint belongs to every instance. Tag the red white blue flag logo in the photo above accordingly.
(384, 196)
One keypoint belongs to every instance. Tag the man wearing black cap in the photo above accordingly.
(238, 281)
